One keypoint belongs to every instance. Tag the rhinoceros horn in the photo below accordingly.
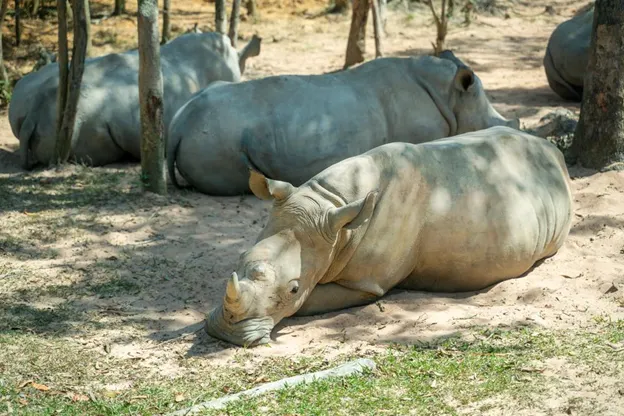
(233, 291)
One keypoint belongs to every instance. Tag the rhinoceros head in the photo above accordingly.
(469, 102)
(294, 250)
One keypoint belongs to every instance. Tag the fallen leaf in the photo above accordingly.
(261, 379)
(110, 394)
(138, 397)
(41, 387)
(434, 383)
(532, 370)
(24, 384)
(572, 277)
(179, 397)
(23, 402)
(226, 389)
(77, 397)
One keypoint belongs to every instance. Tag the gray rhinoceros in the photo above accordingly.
(567, 53)
(292, 126)
(455, 214)
(107, 122)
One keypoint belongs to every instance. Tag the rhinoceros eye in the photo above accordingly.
(294, 287)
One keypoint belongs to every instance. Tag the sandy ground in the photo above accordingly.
(180, 250)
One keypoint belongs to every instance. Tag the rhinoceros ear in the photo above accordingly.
(464, 79)
(265, 188)
(353, 215)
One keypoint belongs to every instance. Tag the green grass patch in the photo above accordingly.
(437, 378)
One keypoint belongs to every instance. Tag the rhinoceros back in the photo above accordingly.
(456, 214)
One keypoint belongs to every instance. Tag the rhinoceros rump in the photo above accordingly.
(292, 127)
(566, 55)
(455, 214)
(108, 123)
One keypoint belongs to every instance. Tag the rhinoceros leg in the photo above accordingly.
(331, 297)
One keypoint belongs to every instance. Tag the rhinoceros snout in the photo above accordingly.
(247, 333)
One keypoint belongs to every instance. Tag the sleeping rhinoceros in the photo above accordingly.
(292, 127)
(107, 122)
(567, 54)
(455, 214)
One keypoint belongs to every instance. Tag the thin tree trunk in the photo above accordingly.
(3, 72)
(63, 63)
(599, 136)
(120, 7)
(220, 16)
(251, 8)
(18, 29)
(68, 10)
(79, 51)
(87, 9)
(356, 45)
(383, 9)
(166, 30)
(234, 18)
(378, 28)
(441, 27)
(151, 100)
(35, 7)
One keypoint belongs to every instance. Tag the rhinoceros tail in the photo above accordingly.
(250, 50)
(27, 129)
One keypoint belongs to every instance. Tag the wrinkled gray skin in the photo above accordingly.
(108, 122)
(292, 127)
(567, 54)
(456, 214)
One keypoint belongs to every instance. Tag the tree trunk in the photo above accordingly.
(166, 30)
(68, 10)
(234, 17)
(441, 27)
(87, 9)
(251, 8)
(62, 59)
(35, 7)
(79, 51)
(599, 136)
(3, 72)
(18, 30)
(383, 9)
(378, 28)
(151, 100)
(120, 7)
(356, 45)
(220, 16)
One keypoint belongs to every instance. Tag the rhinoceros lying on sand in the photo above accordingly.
(455, 214)
(566, 55)
(292, 127)
(107, 123)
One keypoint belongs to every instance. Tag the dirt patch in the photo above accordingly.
(86, 256)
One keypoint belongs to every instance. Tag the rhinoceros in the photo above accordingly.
(454, 214)
(107, 122)
(567, 54)
(293, 126)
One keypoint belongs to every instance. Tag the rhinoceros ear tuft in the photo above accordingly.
(464, 79)
(354, 214)
(265, 188)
